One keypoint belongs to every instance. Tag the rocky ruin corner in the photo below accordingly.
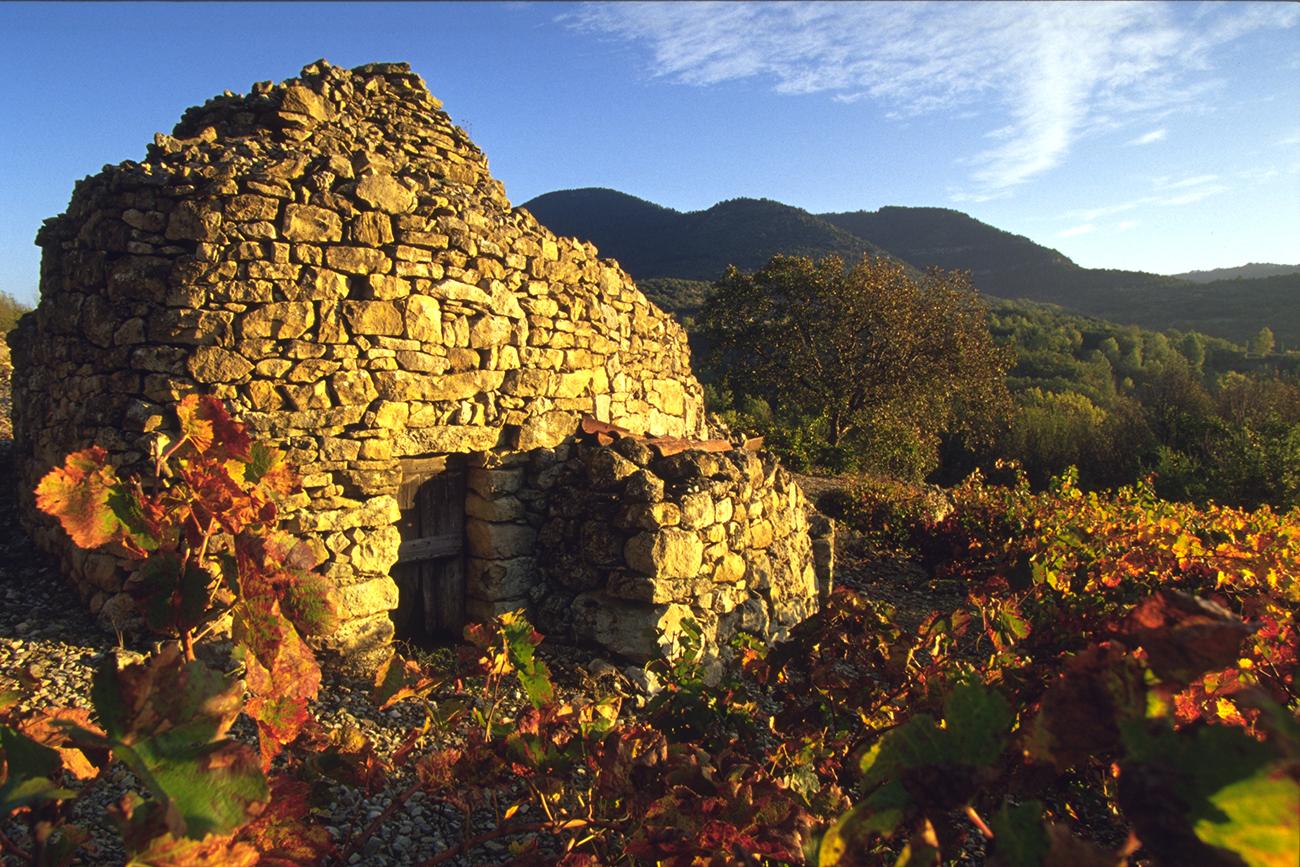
(331, 258)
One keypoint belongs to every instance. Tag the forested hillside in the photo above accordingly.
(653, 242)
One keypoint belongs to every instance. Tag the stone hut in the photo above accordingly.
(331, 258)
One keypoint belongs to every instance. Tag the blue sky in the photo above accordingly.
(1161, 137)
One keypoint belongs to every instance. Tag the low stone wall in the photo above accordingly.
(609, 544)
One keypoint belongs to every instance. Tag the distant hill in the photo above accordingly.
(1001, 264)
(1232, 309)
(651, 242)
(1251, 269)
(664, 249)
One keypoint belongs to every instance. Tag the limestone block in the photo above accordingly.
(372, 317)
(250, 208)
(284, 320)
(643, 486)
(386, 193)
(211, 364)
(697, 510)
(354, 388)
(372, 229)
(335, 449)
(606, 469)
(731, 569)
(488, 331)
(495, 580)
(357, 260)
(367, 598)
(758, 570)
(760, 534)
(308, 223)
(505, 303)
(667, 553)
(455, 290)
(363, 641)
(649, 516)
(381, 511)
(628, 628)
(546, 430)
(194, 221)
(423, 319)
(505, 508)
(305, 101)
(642, 588)
(499, 541)
(602, 545)
(375, 551)
(493, 483)
(444, 439)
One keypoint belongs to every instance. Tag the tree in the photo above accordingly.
(1263, 342)
(867, 351)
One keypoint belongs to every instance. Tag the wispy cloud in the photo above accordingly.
(1129, 224)
(1077, 230)
(1149, 138)
(1055, 71)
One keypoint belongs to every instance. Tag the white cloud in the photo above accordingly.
(1129, 224)
(1077, 230)
(1057, 71)
(1154, 136)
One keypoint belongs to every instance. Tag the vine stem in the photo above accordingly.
(360, 840)
(979, 823)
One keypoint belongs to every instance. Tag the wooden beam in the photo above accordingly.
(430, 548)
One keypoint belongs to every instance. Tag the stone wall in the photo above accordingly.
(609, 544)
(331, 258)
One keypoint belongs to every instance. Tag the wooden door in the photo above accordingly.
(430, 570)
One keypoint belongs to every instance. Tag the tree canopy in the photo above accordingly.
(871, 352)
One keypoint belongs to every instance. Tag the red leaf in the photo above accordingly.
(77, 494)
(281, 835)
(211, 430)
(1185, 636)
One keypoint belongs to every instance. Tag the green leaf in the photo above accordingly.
(77, 494)
(1262, 820)
(173, 601)
(1019, 836)
(167, 719)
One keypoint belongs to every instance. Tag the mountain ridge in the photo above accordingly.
(654, 243)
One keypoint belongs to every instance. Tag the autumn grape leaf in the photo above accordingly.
(167, 719)
(310, 601)
(149, 842)
(175, 596)
(207, 426)
(920, 763)
(25, 769)
(267, 467)
(281, 833)
(1184, 636)
(77, 494)
(54, 728)
(1079, 715)
(400, 678)
(1193, 793)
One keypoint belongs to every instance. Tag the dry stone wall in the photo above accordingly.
(331, 257)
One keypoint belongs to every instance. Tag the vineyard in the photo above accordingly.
(1117, 687)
